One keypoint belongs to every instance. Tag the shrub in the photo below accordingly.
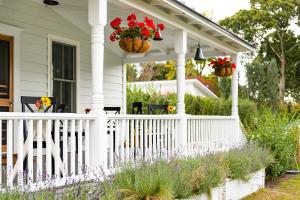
(280, 135)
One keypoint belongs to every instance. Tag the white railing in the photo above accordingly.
(42, 147)
(209, 134)
(135, 137)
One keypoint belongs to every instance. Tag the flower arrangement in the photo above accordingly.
(222, 66)
(135, 37)
(43, 103)
(87, 110)
(171, 109)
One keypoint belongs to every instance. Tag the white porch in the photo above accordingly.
(80, 143)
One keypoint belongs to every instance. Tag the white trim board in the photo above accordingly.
(75, 43)
(15, 32)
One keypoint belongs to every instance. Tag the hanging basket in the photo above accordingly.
(223, 71)
(135, 45)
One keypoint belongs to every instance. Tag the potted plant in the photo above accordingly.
(136, 36)
(222, 66)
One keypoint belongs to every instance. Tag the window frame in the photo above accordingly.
(76, 44)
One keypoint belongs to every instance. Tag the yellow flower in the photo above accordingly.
(46, 101)
(171, 108)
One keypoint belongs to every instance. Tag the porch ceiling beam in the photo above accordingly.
(155, 12)
(166, 57)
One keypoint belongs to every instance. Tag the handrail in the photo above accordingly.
(143, 116)
(217, 117)
(44, 116)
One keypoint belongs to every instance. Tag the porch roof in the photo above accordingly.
(214, 39)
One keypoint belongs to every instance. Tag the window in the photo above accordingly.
(64, 75)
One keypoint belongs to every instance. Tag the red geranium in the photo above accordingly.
(131, 17)
(135, 29)
(146, 32)
(222, 62)
(161, 26)
(233, 65)
(116, 22)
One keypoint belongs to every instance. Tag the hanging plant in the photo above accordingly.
(136, 36)
(222, 66)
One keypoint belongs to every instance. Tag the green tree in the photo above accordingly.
(263, 77)
(131, 73)
(269, 22)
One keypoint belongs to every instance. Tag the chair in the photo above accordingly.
(114, 110)
(157, 109)
(137, 108)
(27, 101)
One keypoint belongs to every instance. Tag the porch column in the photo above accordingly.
(180, 50)
(234, 95)
(97, 17)
(235, 87)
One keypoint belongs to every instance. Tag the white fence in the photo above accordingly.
(135, 137)
(209, 134)
(41, 147)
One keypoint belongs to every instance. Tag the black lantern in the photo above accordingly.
(51, 2)
(157, 35)
(199, 54)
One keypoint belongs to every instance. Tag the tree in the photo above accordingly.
(131, 73)
(268, 22)
(263, 78)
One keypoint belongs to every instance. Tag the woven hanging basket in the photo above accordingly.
(135, 45)
(223, 71)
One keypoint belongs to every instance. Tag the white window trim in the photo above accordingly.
(68, 41)
(15, 32)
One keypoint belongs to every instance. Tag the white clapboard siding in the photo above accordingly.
(37, 22)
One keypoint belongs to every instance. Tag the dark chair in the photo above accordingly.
(114, 110)
(28, 102)
(137, 108)
(155, 109)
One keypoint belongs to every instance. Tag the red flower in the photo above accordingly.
(38, 104)
(112, 38)
(141, 24)
(146, 32)
(221, 62)
(116, 22)
(131, 17)
(212, 62)
(161, 26)
(149, 22)
(131, 23)
(119, 30)
(233, 65)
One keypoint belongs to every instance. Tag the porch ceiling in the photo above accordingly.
(214, 39)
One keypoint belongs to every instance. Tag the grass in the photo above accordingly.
(285, 190)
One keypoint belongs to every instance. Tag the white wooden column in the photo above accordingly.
(235, 87)
(234, 95)
(181, 49)
(97, 17)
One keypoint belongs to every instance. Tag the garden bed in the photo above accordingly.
(235, 189)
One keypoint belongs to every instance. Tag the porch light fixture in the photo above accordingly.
(157, 35)
(199, 54)
(51, 2)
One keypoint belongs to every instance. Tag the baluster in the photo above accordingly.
(39, 139)
(30, 151)
(142, 138)
(87, 144)
(146, 134)
(79, 137)
(20, 152)
(122, 140)
(154, 138)
(73, 148)
(117, 135)
(56, 146)
(111, 143)
(65, 148)
(150, 139)
(9, 153)
(127, 143)
(132, 140)
(48, 149)
(136, 138)
(165, 138)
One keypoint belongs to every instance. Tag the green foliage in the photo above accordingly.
(225, 87)
(131, 73)
(278, 133)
